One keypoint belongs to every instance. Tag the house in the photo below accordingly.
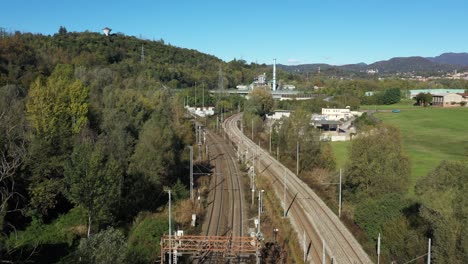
(446, 99)
(464, 99)
(413, 93)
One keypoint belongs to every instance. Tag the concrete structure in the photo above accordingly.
(447, 99)
(106, 31)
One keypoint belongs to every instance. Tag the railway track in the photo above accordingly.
(225, 210)
(307, 212)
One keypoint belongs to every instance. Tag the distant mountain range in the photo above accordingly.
(444, 62)
(451, 58)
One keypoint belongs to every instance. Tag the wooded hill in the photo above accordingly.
(24, 56)
(90, 133)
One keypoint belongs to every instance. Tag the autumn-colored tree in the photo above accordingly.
(57, 110)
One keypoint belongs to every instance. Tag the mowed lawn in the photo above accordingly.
(430, 135)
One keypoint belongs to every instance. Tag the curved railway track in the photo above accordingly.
(307, 212)
(225, 210)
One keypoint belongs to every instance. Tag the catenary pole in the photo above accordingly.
(339, 199)
(297, 161)
(191, 173)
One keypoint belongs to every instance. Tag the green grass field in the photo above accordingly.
(430, 135)
(406, 104)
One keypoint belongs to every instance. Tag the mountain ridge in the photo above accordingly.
(444, 62)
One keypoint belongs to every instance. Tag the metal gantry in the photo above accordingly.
(228, 246)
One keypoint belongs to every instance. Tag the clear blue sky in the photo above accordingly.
(293, 31)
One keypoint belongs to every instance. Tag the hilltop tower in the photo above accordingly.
(106, 31)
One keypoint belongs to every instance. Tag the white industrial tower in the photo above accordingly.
(274, 75)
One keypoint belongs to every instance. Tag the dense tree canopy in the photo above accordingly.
(445, 208)
(377, 163)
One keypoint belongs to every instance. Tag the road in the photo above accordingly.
(310, 217)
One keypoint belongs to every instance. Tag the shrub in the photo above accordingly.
(372, 214)
(107, 246)
(145, 235)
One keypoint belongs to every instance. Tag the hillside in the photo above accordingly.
(443, 63)
(451, 58)
(410, 64)
(24, 56)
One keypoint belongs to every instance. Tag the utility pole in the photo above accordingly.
(304, 245)
(191, 173)
(323, 251)
(252, 129)
(170, 228)
(259, 212)
(199, 142)
(284, 193)
(429, 252)
(142, 53)
(203, 98)
(339, 199)
(297, 161)
(378, 249)
(195, 95)
(271, 129)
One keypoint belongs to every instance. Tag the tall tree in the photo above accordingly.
(57, 109)
(155, 152)
(377, 163)
(260, 102)
(12, 147)
(93, 180)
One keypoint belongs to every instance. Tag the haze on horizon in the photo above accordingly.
(297, 32)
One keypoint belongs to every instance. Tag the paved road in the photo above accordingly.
(306, 211)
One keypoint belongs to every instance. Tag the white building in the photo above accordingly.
(278, 114)
(242, 87)
(289, 87)
(202, 112)
(261, 79)
(336, 113)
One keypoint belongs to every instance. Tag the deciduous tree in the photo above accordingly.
(93, 180)
(445, 207)
(377, 163)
